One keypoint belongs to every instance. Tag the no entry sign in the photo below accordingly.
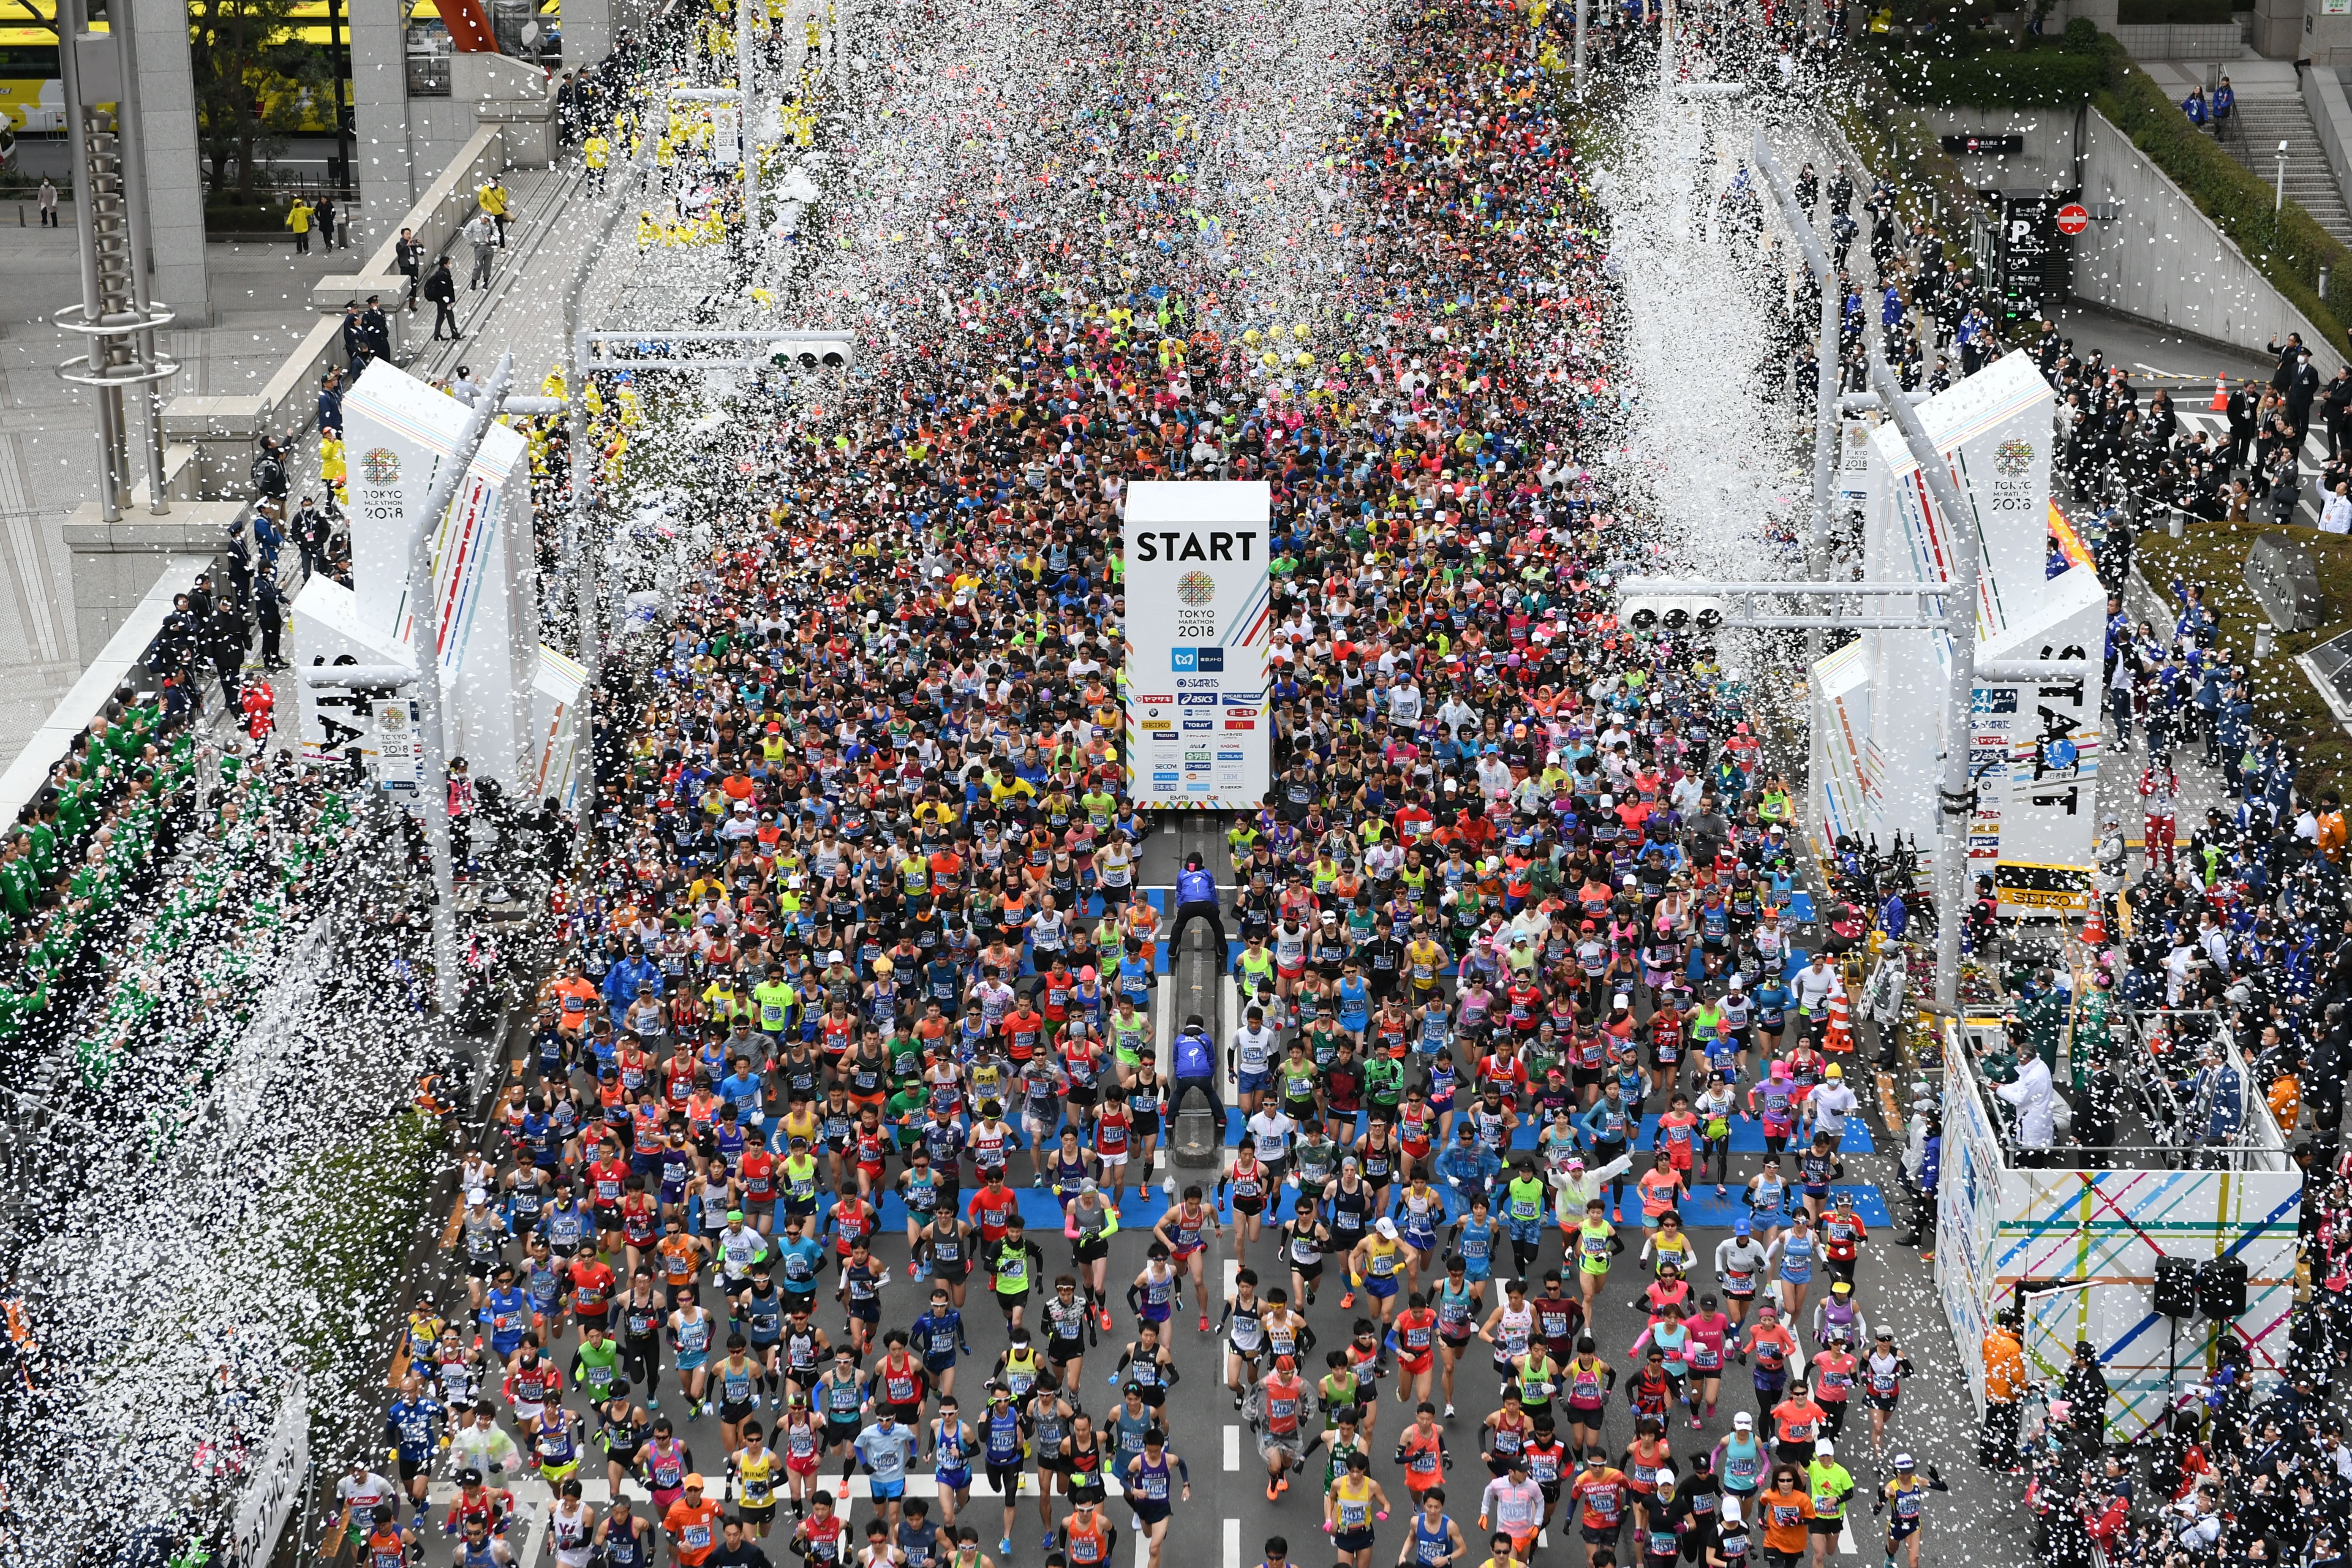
(2073, 219)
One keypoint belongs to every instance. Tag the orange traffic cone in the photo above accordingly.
(2094, 929)
(1839, 1036)
(2220, 403)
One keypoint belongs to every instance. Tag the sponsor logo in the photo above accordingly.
(1198, 683)
(1191, 724)
(1163, 702)
(1196, 700)
(1207, 661)
(1164, 775)
(1156, 724)
(1229, 754)
(1196, 756)
(1240, 723)
(1196, 589)
(1246, 711)
(1181, 659)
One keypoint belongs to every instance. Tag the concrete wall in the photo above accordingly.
(2158, 257)
(379, 48)
(175, 196)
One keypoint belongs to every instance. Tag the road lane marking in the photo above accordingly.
(1233, 1543)
(1233, 1447)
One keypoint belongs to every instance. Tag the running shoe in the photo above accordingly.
(1449, 1412)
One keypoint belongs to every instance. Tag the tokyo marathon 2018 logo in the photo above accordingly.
(382, 466)
(2013, 457)
(1195, 589)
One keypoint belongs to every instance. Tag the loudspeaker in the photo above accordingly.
(2175, 1287)
(2221, 1288)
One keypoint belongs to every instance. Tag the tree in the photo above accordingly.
(253, 78)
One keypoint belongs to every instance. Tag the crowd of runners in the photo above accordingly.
(869, 960)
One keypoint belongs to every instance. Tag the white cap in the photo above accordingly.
(1821, 1449)
(835, 956)
(1736, 980)
(1386, 1228)
(1743, 1421)
(475, 1196)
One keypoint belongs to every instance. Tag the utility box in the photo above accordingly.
(2280, 573)
(1199, 1143)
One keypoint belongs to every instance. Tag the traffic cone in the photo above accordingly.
(2220, 403)
(2094, 929)
(1839, 1035)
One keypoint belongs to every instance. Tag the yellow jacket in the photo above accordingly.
(493, 199)
(595, 151)
(298, 216)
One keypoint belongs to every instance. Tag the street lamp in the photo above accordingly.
(2280, 205)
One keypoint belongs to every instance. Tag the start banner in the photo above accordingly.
(1199, 617)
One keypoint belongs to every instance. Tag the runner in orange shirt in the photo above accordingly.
(692, 1522)
(1786, 1513)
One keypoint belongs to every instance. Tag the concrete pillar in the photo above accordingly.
(384, 170)
(591, 26)
(175, 191)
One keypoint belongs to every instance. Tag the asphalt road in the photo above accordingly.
(1229, 1519)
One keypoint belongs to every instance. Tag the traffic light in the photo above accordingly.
(811, 353)
(1672, 613)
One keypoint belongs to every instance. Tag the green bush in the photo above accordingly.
(2288, 247)
(1996, 79)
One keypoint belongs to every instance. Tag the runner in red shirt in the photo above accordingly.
(992, 1206)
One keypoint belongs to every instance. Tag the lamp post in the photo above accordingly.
(1956, 795)
(2279, 205)
(424, 643)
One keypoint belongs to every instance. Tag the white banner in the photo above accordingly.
(395, 760)
(276, 1487)
(1200, 617)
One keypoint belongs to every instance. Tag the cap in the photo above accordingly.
(1742, 1227)
(1386, 1228)
(1821, 1449)
(694, 1482)
(835, 956)
(1833, 1071)
(1903, 1461)
(1743, 1421)
(477, 1195)
(1842, 1288)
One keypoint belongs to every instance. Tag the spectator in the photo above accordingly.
(408, 256)
(482, 234)
(441, 288)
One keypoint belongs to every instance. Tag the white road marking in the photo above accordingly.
(1232, 1274)
(1142, 1548)
(534, 1539)
(1233, 1447)
(1229, 1011)
(1163, 1003)
(1846, 1548)
(1233, 1543)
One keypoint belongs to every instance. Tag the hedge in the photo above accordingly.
(2000, 80)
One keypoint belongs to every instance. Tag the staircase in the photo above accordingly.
(2257, 127)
